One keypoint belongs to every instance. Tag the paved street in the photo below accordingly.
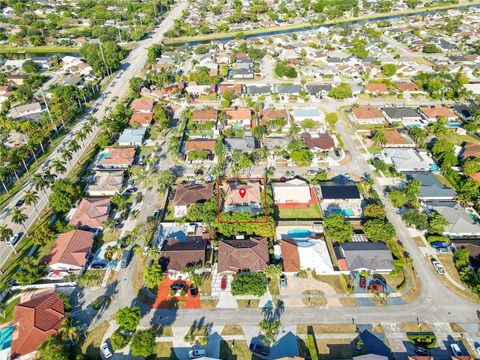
(132, 66)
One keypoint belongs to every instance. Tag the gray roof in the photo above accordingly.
(401, 113)
(272, 142)
(367, 255)
(247, 143)
(132, 136)
(316, 88)
(460, 221)
(25, 110)
(406, 159)
(258, 89)
(289, 89)
(431, 187)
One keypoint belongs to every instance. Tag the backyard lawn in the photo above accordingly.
(312, 212)
(8, 311)
(457, 139)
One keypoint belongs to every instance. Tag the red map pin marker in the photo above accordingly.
(242, 192)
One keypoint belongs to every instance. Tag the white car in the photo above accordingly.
(456, 350)
(438, 266)
(105, 350)
(197, 353)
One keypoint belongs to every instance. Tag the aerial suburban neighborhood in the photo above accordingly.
(240, 179)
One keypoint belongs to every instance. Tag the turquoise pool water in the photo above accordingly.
(344, 212)
(299, 233)
(434, 167)
(102, 156)
(6, 335)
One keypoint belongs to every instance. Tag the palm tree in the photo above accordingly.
(68, 330)
(380, 138)
(66, 154)
(5, 233)
(58, 166)
(41, 180)
(31, 198)
(81, 135)
(19, 218)
(73, 146)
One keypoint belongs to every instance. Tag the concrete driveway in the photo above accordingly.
(296, 286)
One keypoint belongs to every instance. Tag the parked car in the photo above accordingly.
(422, 351)
(126, 257)
(15, 239)
(223, 283)
(130, 191)
(106, 350)
(197, 353)
(456, 350)
(177, 286)
(439, 245)
(193, 291)
(98, 265)
(260, 349)
(477, 349)
(438, 266)
(362, 282)
(283, 281)
(312, 172)
(19, 203)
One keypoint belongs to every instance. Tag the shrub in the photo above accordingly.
(427, 341)
(249, 284)
(183, 293)
(119, 340)
(434, 238)
(312, 347)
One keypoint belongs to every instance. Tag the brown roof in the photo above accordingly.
(204, 115)
(142, 104)
(35, 321)
(141, 118)
(471, 150)
(192, 193)
(91, 213)
(176, 254)
(271, 114)
(377, 88)
(320, 141)
(238, 114)
(437, 112)
(119, 156)
(236, 255)
(407, 86)
(235, 88)
(367, 112)
(71, 248)
(232, 193)
(394, 137)
(290, 256)
(203, 144)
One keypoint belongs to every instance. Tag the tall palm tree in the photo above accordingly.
(42, 180)
(31, 198)
(68, 330)
(58, 166)
(81, 135)
(66, 154)
(19, 218)
(5, 233)
(73, 146)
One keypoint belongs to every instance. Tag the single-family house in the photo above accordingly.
(471, 150)
(431, 188)
(205, 115)
(365, 256)
(318, 141)
(408, 87)
(91, 213)
(238, 118)
(37, 317)
(176, 254)
(116, 158)
(318, 90)
(105, 183)
(406, 159)
(376, 89)
(187, 194)
(237, 255)
(195, 91)
(132, 137)
(289, 89)
(432, 114)
(251, 201)
(276, 120)
(341, 196)
(144, 119)
(368, 115)
(200, 145)
(316, 115)
(276, 143)
(70, 252)
(258, 90)
(245, 144)
(143, 104)
(235, 89)
(462, 223)
(30, 111)
(409, 117)
(396, 140)
(308, 254)
(292, 193)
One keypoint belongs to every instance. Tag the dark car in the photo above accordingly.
(19, 203)
(439, 245)
(98, 265)
(177, 286)
(260, 349)
(193, 290)
(422, 351)
(362, 282)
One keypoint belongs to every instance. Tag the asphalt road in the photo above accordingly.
(119, 86)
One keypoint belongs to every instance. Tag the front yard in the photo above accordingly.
(312, 212)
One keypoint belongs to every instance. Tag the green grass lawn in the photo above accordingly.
(312, 212)
(374, 149)
(9, 311)
(458, 139)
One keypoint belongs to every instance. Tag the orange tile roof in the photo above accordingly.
(71, 248)
(91, 213)
(204, 115)
(238, 114)
(235, 88)
(367, 112)
(436, 112)
(476, 177)
(407, 86)
(36, 320)
(471, 150)
(271, 114)
(232, 194)
(290, 256)
(377, 88)
(119, 156)
(394, 137)
(235, 255)
(142, 104)
(199, 145)
(141, 118)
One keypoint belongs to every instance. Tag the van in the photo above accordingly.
(126, 256)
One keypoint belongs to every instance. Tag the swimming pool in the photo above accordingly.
(102, 156)
(344, 212)
(434, 167)
(299, 233)
(6, 335)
